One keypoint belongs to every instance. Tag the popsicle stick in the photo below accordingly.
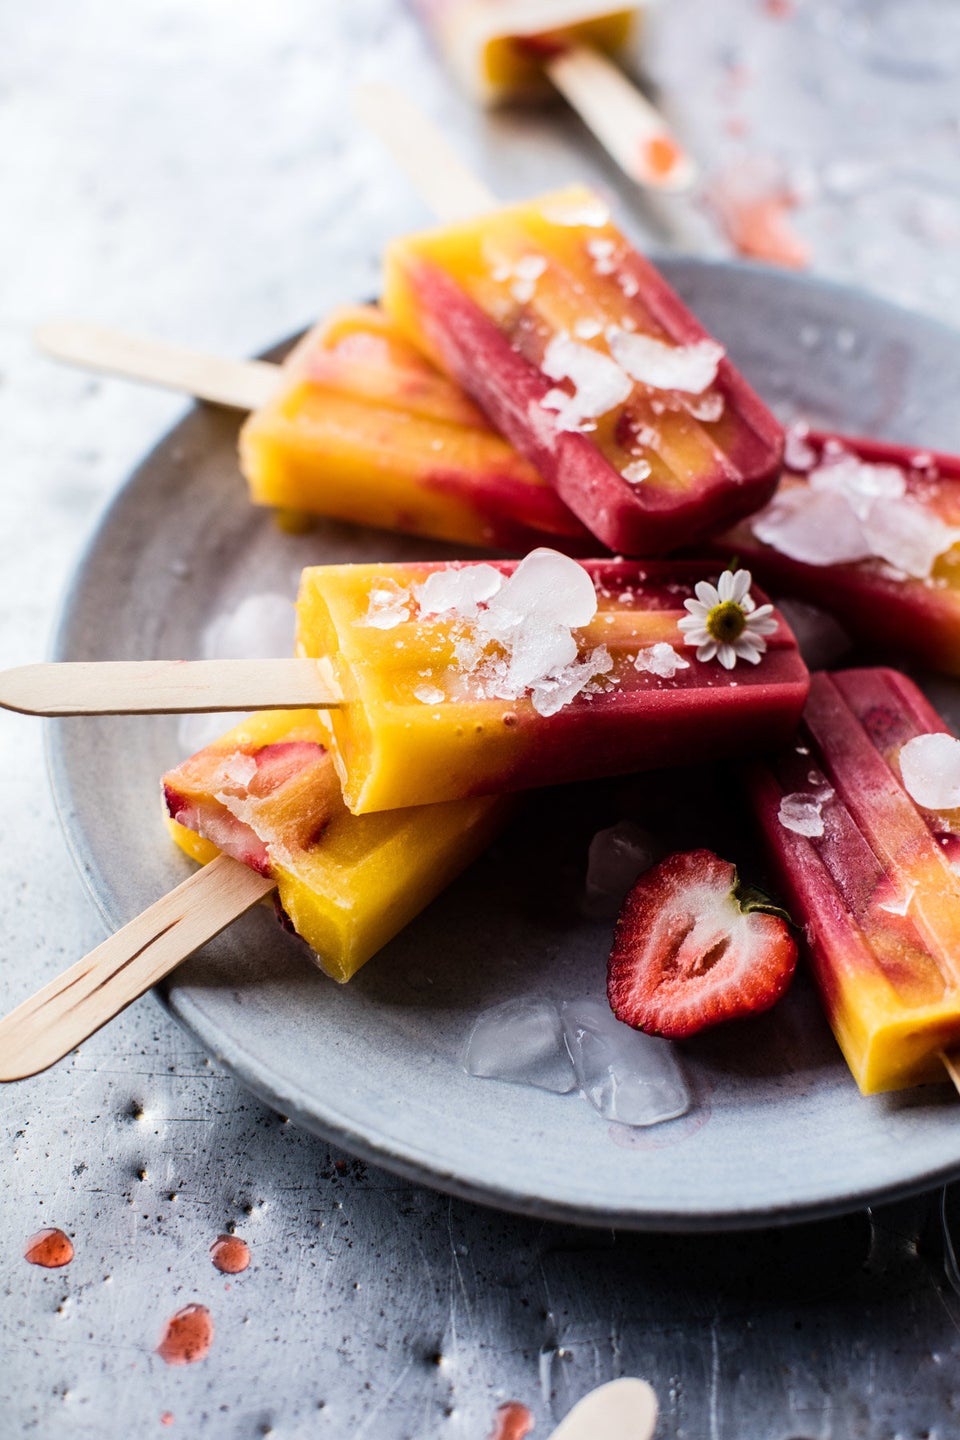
(624, 1409)
(951, 1062)
(169, 687)
(630, 129)
(75, 1005)
(241, 384)
(433, 167)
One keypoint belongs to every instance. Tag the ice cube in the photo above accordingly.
(552, 692)
(388, 605)
(861, 483)
(459, 590)
(616, 858)
(590, 212)
(690, 368)
(817, 528)
(930, 767)
(547, 586)
(821, 638)
(429, 694)
(598, 384)
(261, 627)
(798, 453)
(908, 537)
(521, 1041)
(628, 1076)
(802, 812)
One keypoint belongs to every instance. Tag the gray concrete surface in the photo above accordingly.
(190, 169)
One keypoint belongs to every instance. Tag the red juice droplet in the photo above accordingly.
(511, 1421)
(49, 1248)
(166, 1418)
(659, 157)
(230, 1254)
(187, 1337)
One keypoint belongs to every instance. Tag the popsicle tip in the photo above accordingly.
(951, 1063)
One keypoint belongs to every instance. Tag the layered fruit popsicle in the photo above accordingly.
(267, 794)
(496, 48)
(363, 428)
(467, 679)
(860, 816)
(582, 355)
(870, 532)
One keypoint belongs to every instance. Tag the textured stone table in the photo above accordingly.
(190, 170)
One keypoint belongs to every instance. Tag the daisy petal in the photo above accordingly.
(761, 627)
(707, 594)
(725, 586)
(707, 650)
(740, 586)
(727, 656)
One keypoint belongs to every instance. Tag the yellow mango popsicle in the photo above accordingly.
(268, 795)
(870, 872)
(364, 429)
(468, 679)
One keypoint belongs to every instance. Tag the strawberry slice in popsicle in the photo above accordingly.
(583, 356)
(870, 532)
(862, 826)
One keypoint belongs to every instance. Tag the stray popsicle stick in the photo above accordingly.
(629, 128)
(433, 167)
(75, 1005)
(169, 687)
(624, 1409)
(951, 1063)
(241, 384)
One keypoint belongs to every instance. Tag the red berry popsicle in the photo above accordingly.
(582, 355)
(870, 532)
(862, 819)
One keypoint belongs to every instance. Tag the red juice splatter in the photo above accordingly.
(49, 1248)
(511, 1421)
(754, 208)
(779, 9)
(230, 1254)
(166, 1418)
(187, 1337)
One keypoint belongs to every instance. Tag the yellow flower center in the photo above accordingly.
(726, 622)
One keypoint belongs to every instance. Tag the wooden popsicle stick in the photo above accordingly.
(630, 129)
(433, 167)
(241, 384)
(169, 687)
(951, 1063)
(75, 1005)
(623, 1409)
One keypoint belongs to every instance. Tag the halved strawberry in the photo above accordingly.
(691, 951)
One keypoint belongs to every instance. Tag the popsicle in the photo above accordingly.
(870, 532)
(582, 355)
(509, 50)
(362, 428)
(867, 864)
(267, 794)
(465, 679)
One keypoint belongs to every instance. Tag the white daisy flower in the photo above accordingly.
(724, 621)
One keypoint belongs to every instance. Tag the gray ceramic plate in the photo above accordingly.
(778, 1131)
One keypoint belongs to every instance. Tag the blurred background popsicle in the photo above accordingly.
(520, 50)
(869, 872)
(870, 532)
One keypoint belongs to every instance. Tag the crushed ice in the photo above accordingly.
(590, 211)
(627, 1076)
(850, 510)
(636, 472)
(798, 453)
(388, 605)
(617, 857)
(598, 383)
(689, 368)
(802, 812)
(661, 660)
(513, 635)
(930, 767)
